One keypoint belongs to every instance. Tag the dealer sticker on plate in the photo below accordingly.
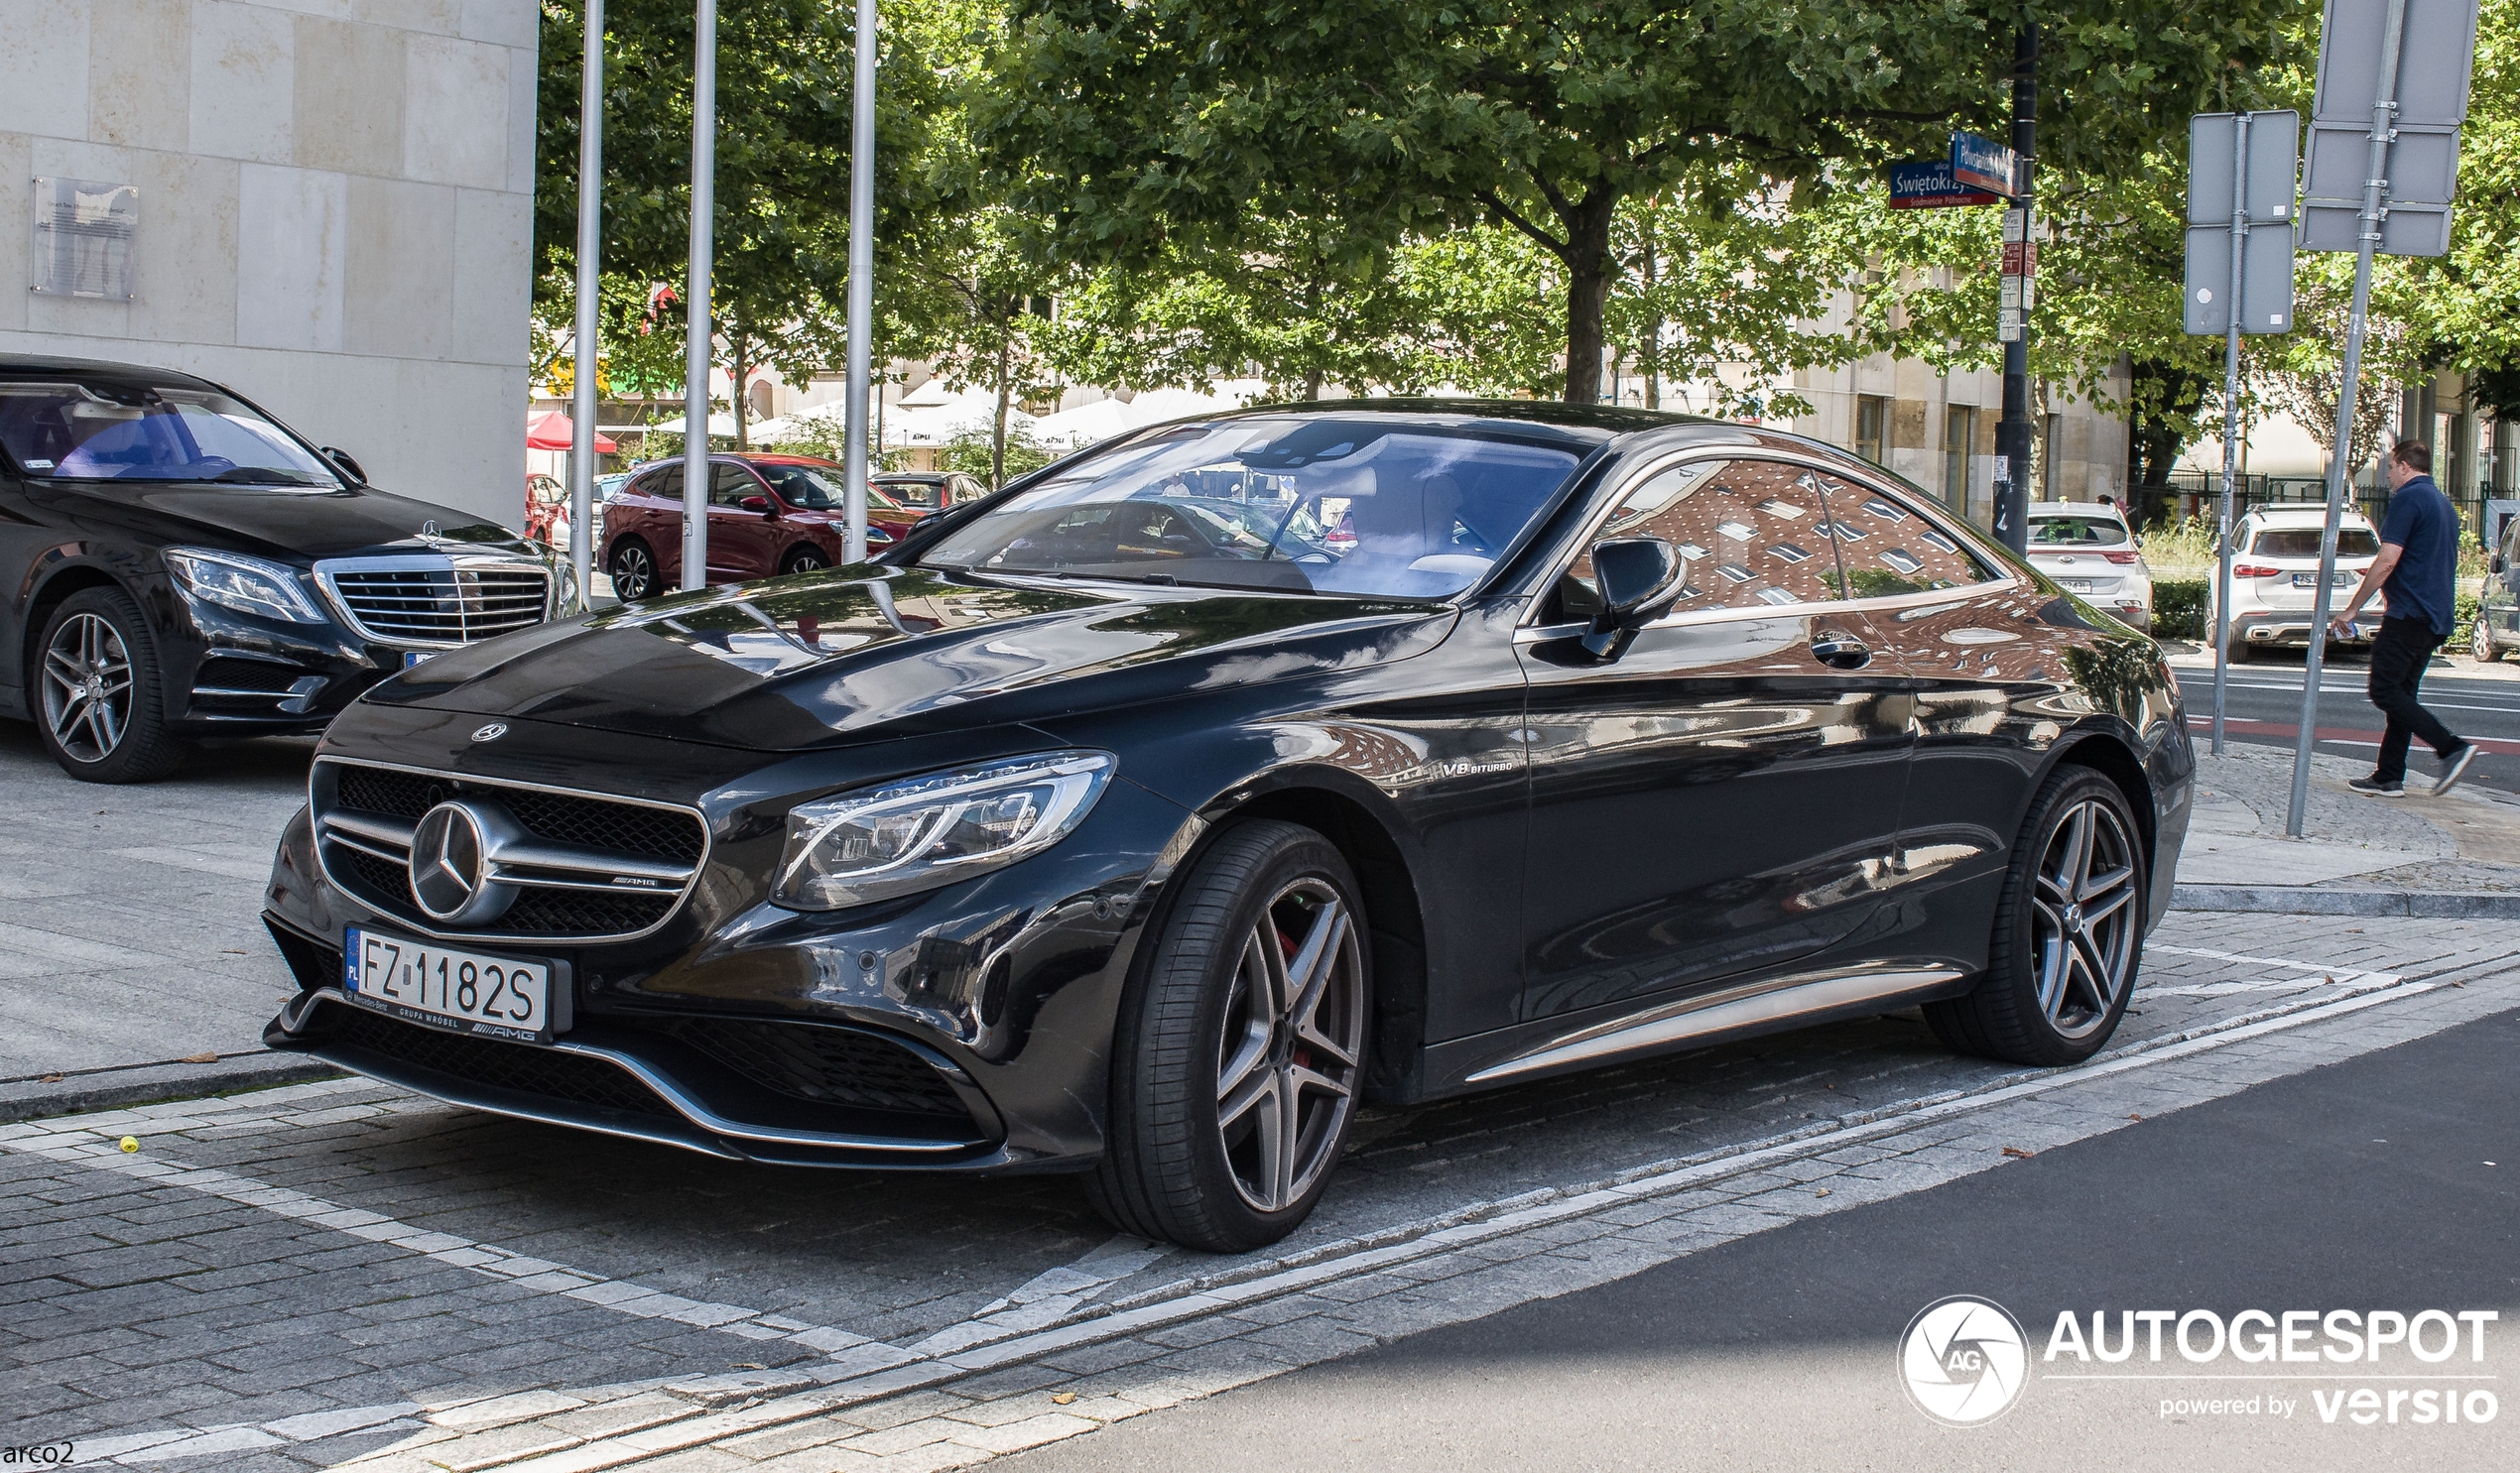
(445, 987)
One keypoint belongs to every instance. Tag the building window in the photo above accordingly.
(1872, 418)
(1960, 425)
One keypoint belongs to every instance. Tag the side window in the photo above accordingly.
(664, 482)
(1890, 548)
(1754, 533)
(729, 484)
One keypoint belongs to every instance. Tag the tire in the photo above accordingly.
(99, 702)
(1205, 1055)
(804, 557)
(632, 568)
(2481, 642)
(2235, 650)
(2080, 828)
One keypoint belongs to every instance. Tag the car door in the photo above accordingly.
(743, 542)
(1721, 798)
(2501, 611)
(650, 507)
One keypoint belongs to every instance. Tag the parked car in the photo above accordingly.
(2088, 548)
(2275, 578)
(180, 565)
(768, 515)
(924, 491)
(546, 510)
(1040, 846)
(2497, 626)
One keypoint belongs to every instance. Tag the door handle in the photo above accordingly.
(1841, 651)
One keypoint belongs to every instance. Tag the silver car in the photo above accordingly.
(2087, 548)
(2275, 577)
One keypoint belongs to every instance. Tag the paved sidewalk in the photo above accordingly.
(2466, 843)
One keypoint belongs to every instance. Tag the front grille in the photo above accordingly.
(602, 837)
(827, 1066)
(406, 600)
(226, 673)
(522, 1068)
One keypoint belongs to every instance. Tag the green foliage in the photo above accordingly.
(980, 455)
(2467, 311)
(2178, 606)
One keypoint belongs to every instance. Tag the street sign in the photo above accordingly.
(2266, 263)
(2017, 282)
(1982, 163)
(1930, 185)
(2436, 55)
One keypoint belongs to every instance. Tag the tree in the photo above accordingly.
(2303, 373)
(1156, 120)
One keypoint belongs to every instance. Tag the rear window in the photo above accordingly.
(2078, 530)
(2303, 541)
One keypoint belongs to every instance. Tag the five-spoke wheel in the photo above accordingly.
(2068, 931)
(1240, 1047)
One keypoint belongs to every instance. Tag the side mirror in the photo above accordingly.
(349, 468)
(1638, 576)
(2497, 565)
(759, 504)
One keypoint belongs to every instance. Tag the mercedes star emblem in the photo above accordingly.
(453, 852)
(491, 732)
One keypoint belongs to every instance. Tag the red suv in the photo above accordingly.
(768, 515)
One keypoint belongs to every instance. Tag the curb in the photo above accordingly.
(140, 1084)
(2291, 900)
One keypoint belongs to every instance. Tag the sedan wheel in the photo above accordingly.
(804, 560)
(102, 716)
(2068, 934)
(633, 571)
(2481, 643)
(1241, 1047)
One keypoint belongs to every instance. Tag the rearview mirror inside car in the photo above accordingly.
(1638, 576)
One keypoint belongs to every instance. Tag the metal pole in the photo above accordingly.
(2013, 431)
(581, 439)
(696, 355)
(2230, 418)
(861, 276)
(2375, 185)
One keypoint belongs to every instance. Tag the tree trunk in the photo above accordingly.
(1311, 385)
(1653, 338)
(1588, 263)
(735, 347)
(997, 435)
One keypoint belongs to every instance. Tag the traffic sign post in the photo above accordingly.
(2240, 173)
(2396, 71)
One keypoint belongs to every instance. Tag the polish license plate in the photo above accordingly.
(413, 658)
(2074, 586)
(2311, 581)
(445, 987)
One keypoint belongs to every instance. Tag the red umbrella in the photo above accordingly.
(552, 431)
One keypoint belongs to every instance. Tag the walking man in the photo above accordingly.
(2417, 576)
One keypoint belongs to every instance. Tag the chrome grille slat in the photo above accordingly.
(434, 599)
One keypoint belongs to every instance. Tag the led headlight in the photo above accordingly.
(249, 585)
(923, 832)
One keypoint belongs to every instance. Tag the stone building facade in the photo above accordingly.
(334, 213)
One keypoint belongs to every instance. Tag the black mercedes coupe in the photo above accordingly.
(178, 565)
(1145, 817)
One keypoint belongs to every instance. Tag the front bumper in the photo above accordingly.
(967, 1029)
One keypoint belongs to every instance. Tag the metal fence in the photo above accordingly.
(2198, 494)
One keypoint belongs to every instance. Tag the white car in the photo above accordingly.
(2087, 548)
(2275, 577)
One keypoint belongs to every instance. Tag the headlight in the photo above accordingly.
(249, 585)
(567, 599)
(923, 832)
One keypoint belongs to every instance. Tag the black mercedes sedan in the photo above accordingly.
(178, 565)
(1095, 828)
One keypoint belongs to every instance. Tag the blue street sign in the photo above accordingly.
(1981, 164)
(1930, 185)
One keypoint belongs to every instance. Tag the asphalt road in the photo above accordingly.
(2383, 1182)
(2263, 705)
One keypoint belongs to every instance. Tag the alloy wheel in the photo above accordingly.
(2084, 918)
(88, 688)
(2481, 642)
(633, 575)
(1288, 1063)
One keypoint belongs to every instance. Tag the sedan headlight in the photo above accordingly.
(923, 832)
(249, 585)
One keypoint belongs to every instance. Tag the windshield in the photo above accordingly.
(115, 432)
(2077, 531)
(1325, 505)
(2303, 541)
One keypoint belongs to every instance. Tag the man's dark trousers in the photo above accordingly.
(2398, 654)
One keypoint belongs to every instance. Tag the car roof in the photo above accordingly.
(2312, 513)
(40, 366)
(2075, 509)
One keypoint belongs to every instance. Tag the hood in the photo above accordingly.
(284, 524)
(866, 653)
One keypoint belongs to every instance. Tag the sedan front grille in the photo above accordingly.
(435, 600)
(580, 867)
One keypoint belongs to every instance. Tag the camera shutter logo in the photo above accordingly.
(1963, 1361)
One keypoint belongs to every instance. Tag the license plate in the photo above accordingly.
(2074, 586)
(2311, 581)
(445, 987)
(416, 657)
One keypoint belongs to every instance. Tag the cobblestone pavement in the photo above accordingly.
(340, 1272)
